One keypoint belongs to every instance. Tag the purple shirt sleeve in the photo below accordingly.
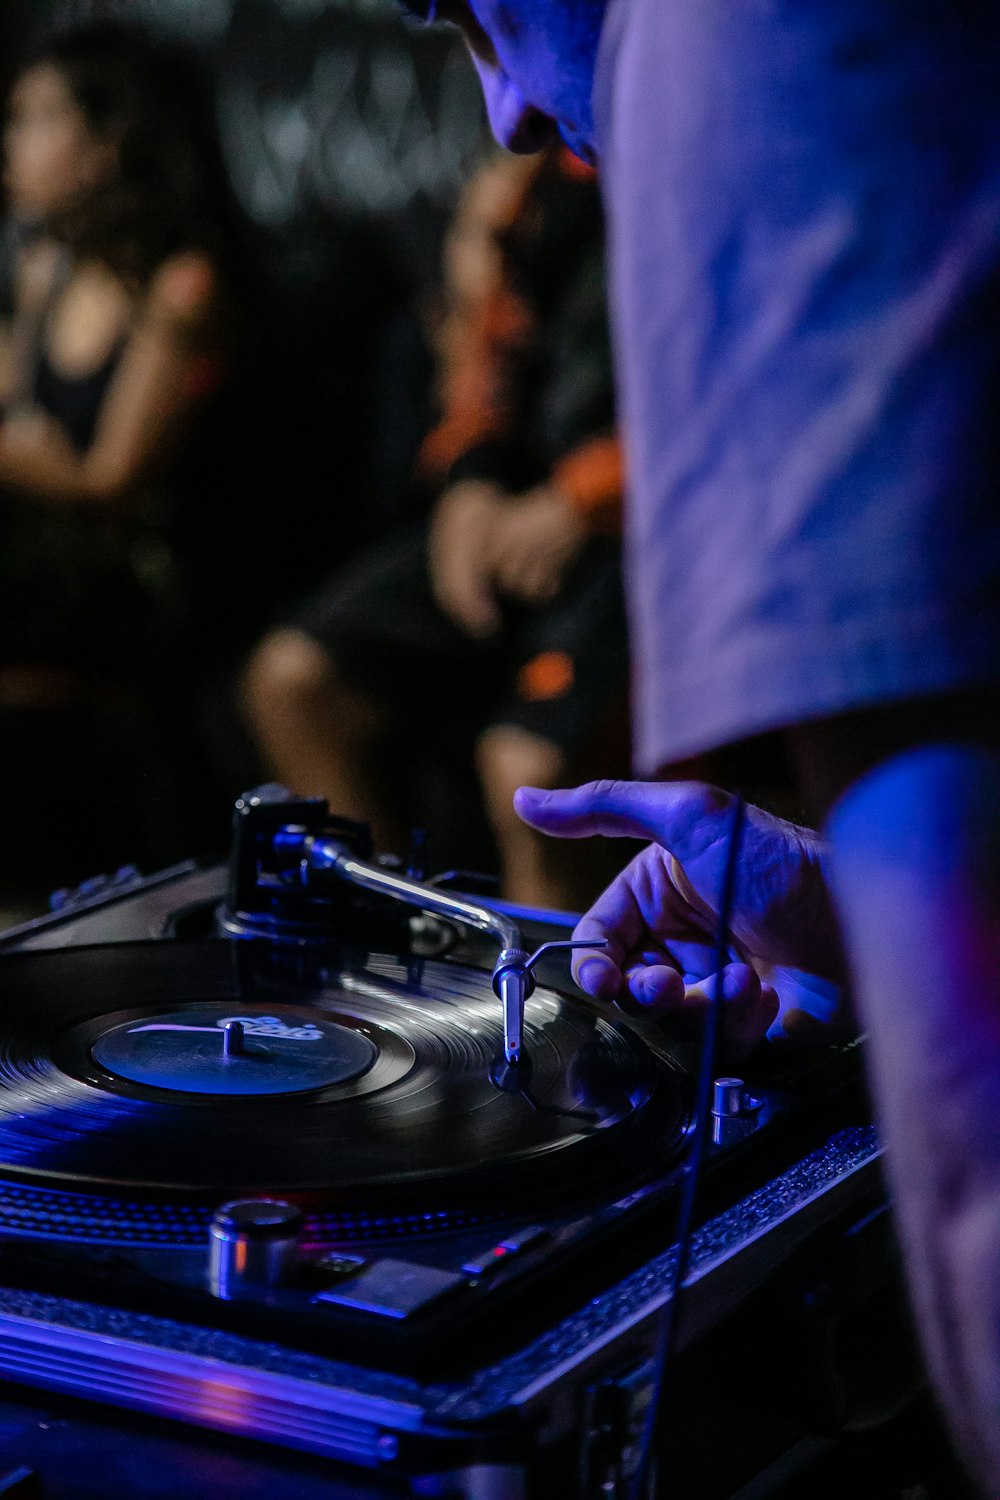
(804, 207)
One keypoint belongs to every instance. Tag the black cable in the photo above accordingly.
(668, 1322)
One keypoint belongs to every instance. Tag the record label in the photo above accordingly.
(212, 1049)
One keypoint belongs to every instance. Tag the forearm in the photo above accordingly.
(64, 479)
(8, 382)
(915, 865)
(51, 477)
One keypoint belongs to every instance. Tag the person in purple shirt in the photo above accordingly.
(804, 219)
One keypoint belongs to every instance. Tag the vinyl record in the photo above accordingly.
(203, 1069)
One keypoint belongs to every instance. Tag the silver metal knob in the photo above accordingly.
(253, 1245)
(233, 1039)
(728, 1097)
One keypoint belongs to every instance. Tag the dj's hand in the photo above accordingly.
(461, 554)
(659, 916)
(540, 535)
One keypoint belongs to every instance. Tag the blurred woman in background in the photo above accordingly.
(111, 167)
(120, 334)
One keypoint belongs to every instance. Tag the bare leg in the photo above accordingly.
(534, 868)
(915, 862)
(315, 733)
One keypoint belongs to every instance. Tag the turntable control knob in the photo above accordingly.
(233, 1039)
(728, 1097)
(253, 1245)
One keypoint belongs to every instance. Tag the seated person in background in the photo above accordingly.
(501, 623)
(112, 171)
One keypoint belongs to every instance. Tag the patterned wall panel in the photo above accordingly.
(329, 103)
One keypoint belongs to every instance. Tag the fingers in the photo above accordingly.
(697, 959)
(617, 921)
(811, 1008)
(740, 985)
(465, 595)
(538, 538)
(459, 553)
(474, 609)
(613, 921)
(599, 975)
(656, 986)
(533, 584)
(659, 986)
(748, 1022)
(532, 573)
(750, 1007)
(685, 816)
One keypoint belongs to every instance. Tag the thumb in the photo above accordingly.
(685, 816)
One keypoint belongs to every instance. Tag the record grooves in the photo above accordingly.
(359, 1088)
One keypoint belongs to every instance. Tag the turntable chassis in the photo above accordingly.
(513, 1426)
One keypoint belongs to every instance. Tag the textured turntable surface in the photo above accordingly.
(349, 1080)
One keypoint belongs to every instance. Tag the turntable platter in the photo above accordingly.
(355, 1082)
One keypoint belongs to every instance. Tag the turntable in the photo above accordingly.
(309, 1151)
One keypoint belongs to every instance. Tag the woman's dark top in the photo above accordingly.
(70, 598)
(75, 401)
